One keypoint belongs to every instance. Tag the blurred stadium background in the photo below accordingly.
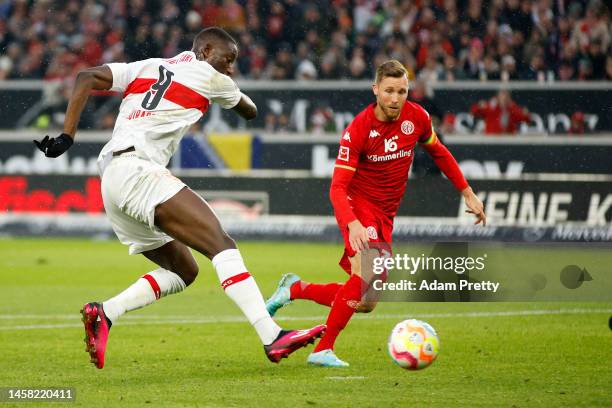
(543, 166)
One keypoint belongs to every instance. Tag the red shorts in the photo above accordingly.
(378, 225)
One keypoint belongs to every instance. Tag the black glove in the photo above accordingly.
(54, 146)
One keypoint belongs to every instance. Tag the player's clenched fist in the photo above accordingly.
(358, 236)
(54, 146)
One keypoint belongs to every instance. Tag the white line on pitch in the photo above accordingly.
(237, 318)
(140, 321)
(357, 377)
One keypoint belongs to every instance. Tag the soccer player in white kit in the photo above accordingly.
(150, 210)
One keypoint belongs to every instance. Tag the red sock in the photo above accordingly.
(322, 294)
(341, 312)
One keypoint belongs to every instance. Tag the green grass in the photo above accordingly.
(172, 354)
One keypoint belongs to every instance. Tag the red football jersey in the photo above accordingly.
(381, 153)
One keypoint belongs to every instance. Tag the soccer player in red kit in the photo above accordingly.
(370, 176)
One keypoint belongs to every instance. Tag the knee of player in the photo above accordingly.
(366, 307)
(189, 273)
(228, 242)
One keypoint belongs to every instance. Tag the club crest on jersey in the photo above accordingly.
(371, 231)
(347, 136)
(374, 133)
(343, 154)
(407, 127)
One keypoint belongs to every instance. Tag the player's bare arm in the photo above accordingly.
(246, 108)
(96, 78)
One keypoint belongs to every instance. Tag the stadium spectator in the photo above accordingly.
(500, 114)
(282, 67)
(577, 123)
(597, 58)
(233, 17)
(305, 67)
(608, 76)
(474, 65)
(451, 71)
(585, 70)
(566, 71)
(535, 70)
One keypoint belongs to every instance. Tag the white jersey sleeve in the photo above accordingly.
(121, 76)
(124, 73)
(224, 91)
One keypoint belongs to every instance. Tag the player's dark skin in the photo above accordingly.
(186, 216)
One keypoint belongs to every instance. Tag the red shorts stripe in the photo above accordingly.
(154, 285)
(235, 279)
(177, 93)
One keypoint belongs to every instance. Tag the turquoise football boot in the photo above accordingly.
(326, 358)
(282, 295)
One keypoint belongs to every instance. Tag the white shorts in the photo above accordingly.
(131, 189)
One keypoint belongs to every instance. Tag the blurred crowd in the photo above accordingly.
(437, 40)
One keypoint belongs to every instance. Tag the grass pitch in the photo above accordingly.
(193, 349)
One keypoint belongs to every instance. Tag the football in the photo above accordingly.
(413, 344)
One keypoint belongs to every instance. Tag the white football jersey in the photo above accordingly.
(162, 98)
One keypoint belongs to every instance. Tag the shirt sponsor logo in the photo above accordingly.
(343, 154)
(374, 133)
(407, 127)
(391, 144)
(391, 156)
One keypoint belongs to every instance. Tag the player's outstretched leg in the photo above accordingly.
(98, 317)
(189, 219)
(321, 293)
(291, 287)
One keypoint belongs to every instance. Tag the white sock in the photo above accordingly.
(143, 292)
(241, 287)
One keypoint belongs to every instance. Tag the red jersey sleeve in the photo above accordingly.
(441, 155)
(519, 114)
(479, 109)
(351, 145)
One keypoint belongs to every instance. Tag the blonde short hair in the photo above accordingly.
(391, 68)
